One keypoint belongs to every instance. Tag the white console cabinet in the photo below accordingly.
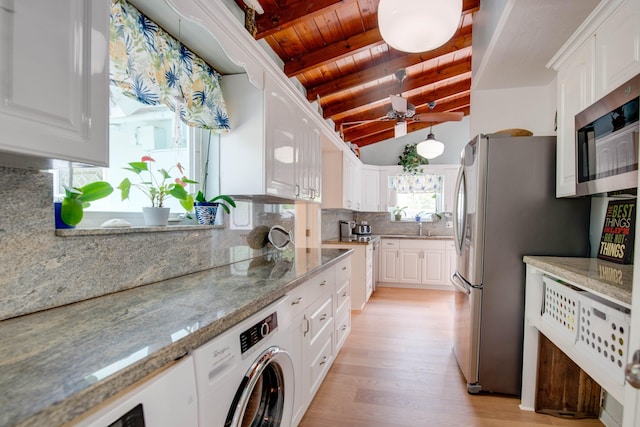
(54, 60)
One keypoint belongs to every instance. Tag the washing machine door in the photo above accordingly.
(265, 396)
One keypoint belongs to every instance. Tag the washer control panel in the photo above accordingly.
(257, 332)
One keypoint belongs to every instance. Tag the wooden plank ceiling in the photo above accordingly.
(335, 50)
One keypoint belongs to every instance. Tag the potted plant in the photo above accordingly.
(411, 161)
(206, 210)
(419, 215)
(157, 190)
(71, 209)
(398, 213)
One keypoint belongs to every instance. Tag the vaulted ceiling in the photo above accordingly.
(334, 49)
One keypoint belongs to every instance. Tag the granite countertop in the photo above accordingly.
(604, 278)
(58, 363)
(352, 240)
(409, 236)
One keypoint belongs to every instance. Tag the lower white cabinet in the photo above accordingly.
(321, 322)
(421, 263)
(361, 272)
(451, 258)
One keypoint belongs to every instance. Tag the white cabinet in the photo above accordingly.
(450, 174)
(54, 59)
(617, 50)
(415, 262)
(272, 150)
(341, 181)
(361, 273)
(603, 54)
(575, 93)
(321, 322)
(451, 259)
(370, 189)
(389, 260)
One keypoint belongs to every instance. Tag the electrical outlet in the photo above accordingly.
(449, 224)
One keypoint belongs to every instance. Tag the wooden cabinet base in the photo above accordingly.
(564, 390)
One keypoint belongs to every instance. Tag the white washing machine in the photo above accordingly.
(165, 399)
(245, 376)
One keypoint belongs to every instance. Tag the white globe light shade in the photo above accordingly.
(431, 148)
(418, 25)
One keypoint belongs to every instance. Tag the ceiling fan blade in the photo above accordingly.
(454, 116)
(400, 129)
(398, 103)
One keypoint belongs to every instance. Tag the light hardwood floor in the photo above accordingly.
(397, 368)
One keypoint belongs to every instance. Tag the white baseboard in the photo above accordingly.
(415, 286)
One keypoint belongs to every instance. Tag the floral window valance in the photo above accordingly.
(154, 68)
(420, 183)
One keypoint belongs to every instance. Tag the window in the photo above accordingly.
(421, 194)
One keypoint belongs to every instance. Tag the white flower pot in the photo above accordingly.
(154, 217)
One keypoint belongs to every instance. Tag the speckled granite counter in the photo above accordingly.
(51, 362)
(607, 279)
(409, 236)
(351, 241)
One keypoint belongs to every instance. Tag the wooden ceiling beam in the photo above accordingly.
(461, 41)
(354, 133)
(273, 21)
(382, 92)
(334, 52)
(420, 101)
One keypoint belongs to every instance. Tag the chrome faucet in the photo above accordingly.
(419, 228)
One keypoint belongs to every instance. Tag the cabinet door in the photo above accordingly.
(450, 177)
(370, 190)
(281, 148)
(618, 48)
(575, 93)
(389, 262)
(315, 148)
(54, 59)
(433, 267)
(410, 266)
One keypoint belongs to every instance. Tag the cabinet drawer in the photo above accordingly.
(343, 271)
(342, 296)
(321, 284)
(390, 244)
(321, 316)
(299, 298)
(422, 244)
(320, 363)
(343, 327)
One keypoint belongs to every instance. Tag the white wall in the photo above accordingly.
(531, 108)
(454, 135)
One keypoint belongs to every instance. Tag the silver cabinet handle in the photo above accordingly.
(308, 326)
(323, 317)
(324, 360)
(296, 301)
(324, 282)
(344, 294)
(632, 371)
(344, 268)
(344, 327)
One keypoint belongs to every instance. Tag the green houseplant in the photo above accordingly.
(76, 199)
(411, 161)
(399, 212)
(206, 210)
(157, 189)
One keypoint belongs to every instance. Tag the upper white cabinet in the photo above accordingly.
(370, 189)
(617, 52)
(575, 93)
(341, 180)
(600, 56)
(273, 149)
(54, 59)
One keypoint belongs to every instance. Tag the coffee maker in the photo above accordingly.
(346, 229)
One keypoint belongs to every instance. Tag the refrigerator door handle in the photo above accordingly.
(457, 227)
(460, 283)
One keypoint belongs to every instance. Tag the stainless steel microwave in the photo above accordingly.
(607, 142)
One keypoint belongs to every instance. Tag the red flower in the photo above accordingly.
(147, 159)
(181, 182)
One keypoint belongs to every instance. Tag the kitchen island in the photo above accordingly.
(59, 363)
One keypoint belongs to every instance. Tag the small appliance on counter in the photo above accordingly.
(362, 228)
(346, 229)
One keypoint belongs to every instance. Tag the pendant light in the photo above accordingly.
(418, 25)
(431, 147)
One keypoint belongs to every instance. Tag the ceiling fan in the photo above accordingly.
(402, 111)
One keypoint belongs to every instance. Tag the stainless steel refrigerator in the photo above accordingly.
(505, 208)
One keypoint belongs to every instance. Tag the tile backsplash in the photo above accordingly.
(40, 270)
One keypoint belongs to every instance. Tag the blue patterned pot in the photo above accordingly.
(206, 212)
(57, 207)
